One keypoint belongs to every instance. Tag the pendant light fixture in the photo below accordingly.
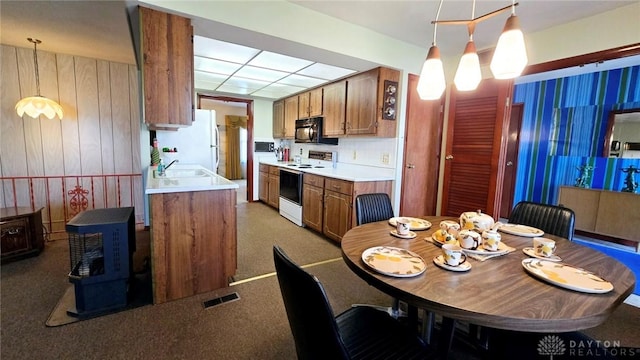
(35, 106)
(469, 74)
(510, 56)
(509, 59)
(432, 83)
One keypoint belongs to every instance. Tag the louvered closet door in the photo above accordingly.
(476, 149)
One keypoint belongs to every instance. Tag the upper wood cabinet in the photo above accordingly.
(310, 104)
(278, 119)
(167, 69)
(333, 104)
(362, 104)
(290, 117)
(367, 101)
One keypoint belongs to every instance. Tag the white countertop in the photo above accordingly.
(161, 185)
(349, 172)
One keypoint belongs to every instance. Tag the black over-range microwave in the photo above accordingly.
(310, 131)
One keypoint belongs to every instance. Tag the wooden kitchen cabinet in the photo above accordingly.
(166, 43)
(290, 117)
(313, 201)
(269, 185)
(274, 187)
(338, 208)
(366, 102)
(310, 104)
(339, 203)
(263, 183)
(278, 119)
(334, 100)
(22, 234)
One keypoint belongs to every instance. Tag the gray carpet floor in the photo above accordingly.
(253, 327)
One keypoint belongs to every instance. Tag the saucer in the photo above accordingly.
(439, 260)
(410, 235)
(531, 252)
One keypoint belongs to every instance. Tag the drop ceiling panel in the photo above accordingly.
(303, 81)
(280, 62)
(215, 66)
(221, 50)
(241, 70)
(252, 72)
(323, 71)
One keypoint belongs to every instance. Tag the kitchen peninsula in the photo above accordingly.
(193, 231)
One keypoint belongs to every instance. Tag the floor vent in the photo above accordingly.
(221, 300)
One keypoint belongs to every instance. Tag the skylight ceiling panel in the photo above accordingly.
(269, 60)
(303, 81)
(252, 72)
(234, 89)
(323, 71)
(215, 66)
(221, 50)
(244, 83)
(277, 91)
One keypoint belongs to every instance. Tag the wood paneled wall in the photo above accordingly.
(98, 135)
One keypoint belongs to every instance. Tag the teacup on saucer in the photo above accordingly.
(410, 235)
(532, 252)
(439, 261)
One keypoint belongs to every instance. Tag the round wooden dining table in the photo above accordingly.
(497, 292)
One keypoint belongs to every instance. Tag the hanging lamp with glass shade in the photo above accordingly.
(432, 83)
(468, 75)
(510, 56)
(37, 105)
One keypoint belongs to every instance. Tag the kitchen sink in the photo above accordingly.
(183, 173)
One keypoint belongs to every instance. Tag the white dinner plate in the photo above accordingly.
(521, 230)
(502, 249)
(439, 261)
(567, 276)
(416, 223)
(532, 252)
(394, 261)
(410, 235)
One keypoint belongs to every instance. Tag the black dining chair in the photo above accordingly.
(357, 333)
(373, 207)
(552, 219)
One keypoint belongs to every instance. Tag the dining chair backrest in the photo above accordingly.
(310, 315)
(373, 207)
(358, 333)
(552, 219)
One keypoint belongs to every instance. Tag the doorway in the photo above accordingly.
(245, 137)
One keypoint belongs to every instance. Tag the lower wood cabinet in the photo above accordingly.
(269, 185)
(610, 213)
(313, 201)
(22, 234)
(328, 204)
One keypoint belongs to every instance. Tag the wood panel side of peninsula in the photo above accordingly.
(193, 242)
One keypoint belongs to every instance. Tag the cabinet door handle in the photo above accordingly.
(13, 231)
(411, 166)
(448, 157)
(509, 163)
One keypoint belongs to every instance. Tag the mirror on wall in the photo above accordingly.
(623, 134)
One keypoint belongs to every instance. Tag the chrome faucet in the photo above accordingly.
(171, 163)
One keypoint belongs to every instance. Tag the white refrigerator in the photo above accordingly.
(196, 144)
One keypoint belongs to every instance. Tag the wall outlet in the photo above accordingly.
(385, 158)
(354, 155)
